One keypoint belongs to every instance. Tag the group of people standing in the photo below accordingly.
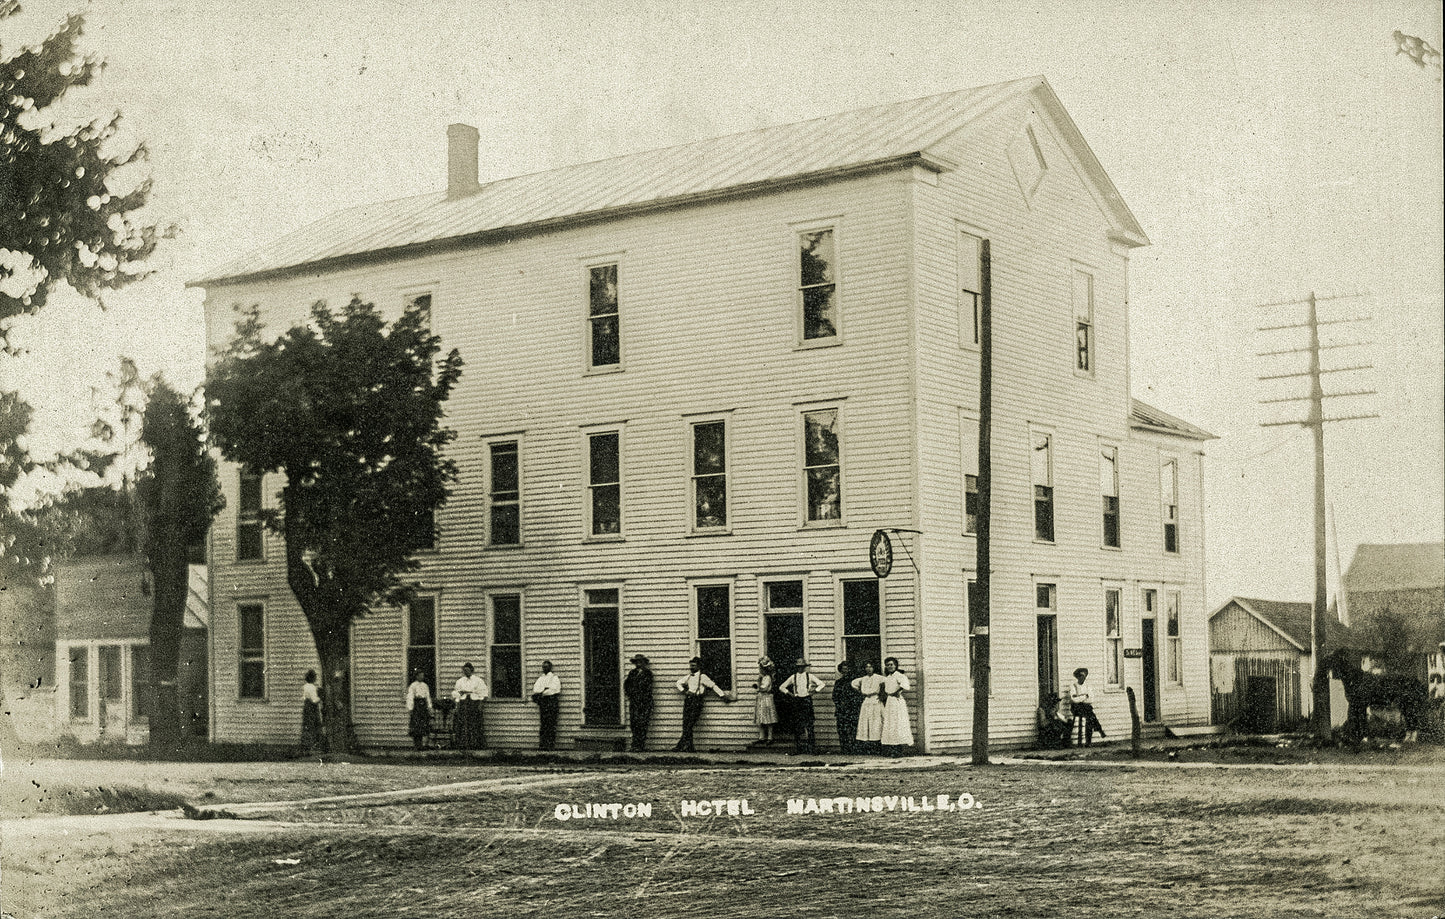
(870, 710)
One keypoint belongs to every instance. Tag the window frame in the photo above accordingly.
(589, 533)
(806, 520)
(1086, 354)
(692, 423)
(246, 655)
(968, 434)
(1109, 453)
(247, 520)
(493, 645)
(970, 302)
(88, 712)
(589, 319)
(1114, 639)
(1035, 432)
(407, 645)
(841, 624)
(1173, 636)
(795, 261)
(140, 676)
(1169, 504)
(694, 588)
(489, 496)
(978, 634)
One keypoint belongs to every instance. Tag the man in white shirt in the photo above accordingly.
(801, 686)
(693, 687)
(468, 693)
(1082, 699)
(546, 692)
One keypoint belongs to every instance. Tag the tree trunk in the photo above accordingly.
(333, 647)
(168, 615)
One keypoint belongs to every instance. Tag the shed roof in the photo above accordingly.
(882, 135)
(1145, 417)
(1291, 620)
(1402, 566)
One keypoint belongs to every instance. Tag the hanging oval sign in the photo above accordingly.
(880, 553)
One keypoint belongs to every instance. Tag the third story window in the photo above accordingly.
(970, 288)
(818, 284)
(505, 496)
(821, 465)
(1043, 481)
(603, 329)
(604, 481)
(1083, 322)
(709, 475)
(1169, 497)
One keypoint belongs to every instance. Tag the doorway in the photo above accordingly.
(1151, 670)
(1048, 644)
(601, 665)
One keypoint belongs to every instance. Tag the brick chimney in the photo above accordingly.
(462, 141)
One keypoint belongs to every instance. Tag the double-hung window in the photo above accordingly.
(1175, 649)
(818, 284)
(970, 289)
(1083, 298)
(1109, 489)
(714, 632)
(1113, 636)
(1042, 448)
(1169, 501)
(504, 495)
(822, 466)
(79, 681)
(506, 646)
(248, 518)
(709, 476)
(862, 621)
(604, 483)
(968, 454)
(252, 650)
(604, 330)
(421, 640)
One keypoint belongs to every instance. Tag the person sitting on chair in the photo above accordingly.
(1082, 699)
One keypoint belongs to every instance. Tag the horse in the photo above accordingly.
(1363, 690)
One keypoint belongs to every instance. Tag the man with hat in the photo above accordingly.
(1082, 699)
(638, 688)
(694, 687)
(801, 686)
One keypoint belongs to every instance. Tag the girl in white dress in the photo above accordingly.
(870, 714)
(765, 709)
(897, 733)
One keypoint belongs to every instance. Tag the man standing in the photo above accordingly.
(547, 692)
(638, 688)
(693, 687)
(801, 686)
(468, 694)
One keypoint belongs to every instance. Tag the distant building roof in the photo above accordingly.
(850, 142)
(1145, 417)
(1294, 621)
(1404, 566)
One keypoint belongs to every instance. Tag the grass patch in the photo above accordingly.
(34, 799)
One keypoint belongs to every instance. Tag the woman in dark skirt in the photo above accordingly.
(467, 723)
(310, 714)
(418, 702)
(846, 702)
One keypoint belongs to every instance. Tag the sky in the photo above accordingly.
(1270, 148)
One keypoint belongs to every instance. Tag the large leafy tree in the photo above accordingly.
(178, 495)
(349, 409)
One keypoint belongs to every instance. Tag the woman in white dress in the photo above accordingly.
(897, 733)
(870, 713)
(765, 709)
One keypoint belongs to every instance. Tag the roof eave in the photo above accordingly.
(925, 159)
(1201, 436)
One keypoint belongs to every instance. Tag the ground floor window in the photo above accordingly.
(862, 634)
(1113, 637)
(506, 652)
(252, 621)
(1175, 648)
(79, 682)
(714, 632)
(978, 649)
(1046, 609)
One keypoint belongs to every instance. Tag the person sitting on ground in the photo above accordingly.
(1054, 722)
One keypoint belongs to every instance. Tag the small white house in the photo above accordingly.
(697, 381)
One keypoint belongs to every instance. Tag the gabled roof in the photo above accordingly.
(1145, 417)
(1293, 621)
(883, 135)
(1404, 566)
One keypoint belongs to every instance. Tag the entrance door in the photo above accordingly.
(1048, 657)
(1151, 670)
(601, 665)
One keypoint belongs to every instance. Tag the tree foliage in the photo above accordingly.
(349, 409)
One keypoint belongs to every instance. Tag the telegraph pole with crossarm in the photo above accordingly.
(1316, 420)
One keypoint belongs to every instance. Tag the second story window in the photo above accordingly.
(1043, 481)
(505, 495)
(1169, 500)
(968, 449)
(248, 518)
(1083, 323)
(970, 289)
(1109, 489)
(709, 475)
(604, 332)
(822, 467)
(818, 284)
(604, 484)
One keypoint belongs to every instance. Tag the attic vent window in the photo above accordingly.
(1027, 159)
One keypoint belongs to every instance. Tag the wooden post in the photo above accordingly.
(981, 678)
(1134, 728)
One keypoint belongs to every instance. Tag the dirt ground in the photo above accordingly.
(1361, 837)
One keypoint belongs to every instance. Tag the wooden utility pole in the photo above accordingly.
(979, 618)
(1315, 420)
